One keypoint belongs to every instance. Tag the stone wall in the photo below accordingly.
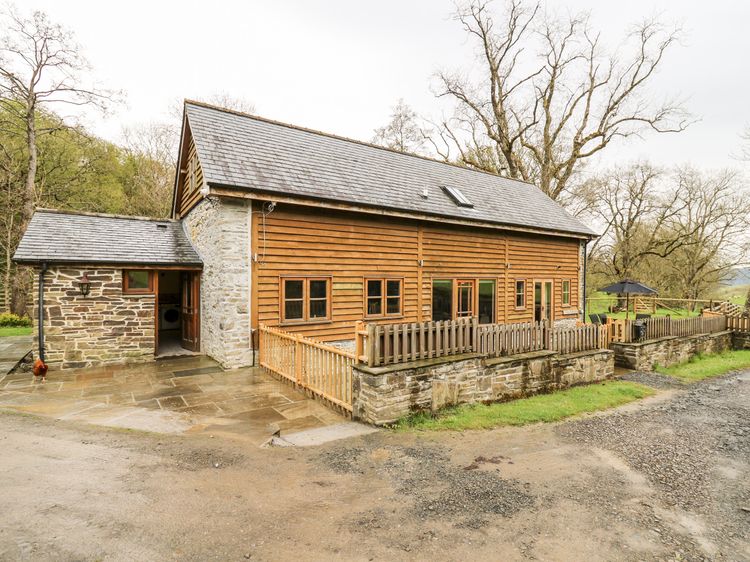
(668, 351)
(382, 395)
(220, 232)
(103, 327)
(740, 340)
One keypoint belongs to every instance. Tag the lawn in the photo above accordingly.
(541, 408)
(600, 302)
(15, 331)
(707, 366)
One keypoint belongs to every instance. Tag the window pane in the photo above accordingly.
(465, 299)
(394, 288)
(442, 299)
(318, 289)
(394, 305)
(318, 308)
(520, 294)
(375, 306)
(293, 310)
(137, 279)
(374, 288)
(293, 289)
(486, 310)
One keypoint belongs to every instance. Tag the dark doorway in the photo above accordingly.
(177, 312)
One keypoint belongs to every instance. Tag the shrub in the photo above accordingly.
(8, 319)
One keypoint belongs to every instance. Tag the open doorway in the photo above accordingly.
(177, 313)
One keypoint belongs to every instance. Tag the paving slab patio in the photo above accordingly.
(176, 395)
(12, 350)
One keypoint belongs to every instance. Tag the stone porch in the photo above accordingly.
(179, 395)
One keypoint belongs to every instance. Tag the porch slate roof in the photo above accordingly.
(250, 153)
(85, 238)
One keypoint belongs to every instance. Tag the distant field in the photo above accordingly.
(735, 294)
(601, 302)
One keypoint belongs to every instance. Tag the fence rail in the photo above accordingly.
(324, 370)
(389, 344)
(624, 331)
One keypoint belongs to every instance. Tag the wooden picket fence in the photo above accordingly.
(323, 370)
(389, 344)
(623, 331)
(738, 323)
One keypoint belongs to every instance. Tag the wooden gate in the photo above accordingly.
(323, 370)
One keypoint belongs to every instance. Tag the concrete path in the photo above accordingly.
(12, 350)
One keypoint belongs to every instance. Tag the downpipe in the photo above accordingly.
(40, 367)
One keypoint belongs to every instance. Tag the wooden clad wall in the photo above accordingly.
(295, 240)
(190, 179)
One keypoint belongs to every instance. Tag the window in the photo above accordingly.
(458, 197)
(464, 299)
(520, 294)
(305, 299)
(566, 292)
(486, 301)
(384, 297)
(137, 281)
(442, 299)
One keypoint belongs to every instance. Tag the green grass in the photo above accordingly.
(15, 331)
(707, 366)
(601, 302)
(735, 294)
(541, 408)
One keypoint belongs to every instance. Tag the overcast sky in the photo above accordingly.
(339, 66)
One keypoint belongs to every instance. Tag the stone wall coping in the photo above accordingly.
(586, 353)
(670, 338)
(433, 361)
(491, 361)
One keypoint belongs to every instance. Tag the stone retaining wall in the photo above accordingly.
(382, 395)
(740, 340)
(668, 351)
(103, 327)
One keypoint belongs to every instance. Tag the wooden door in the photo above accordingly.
(191, 310)
(543, 306)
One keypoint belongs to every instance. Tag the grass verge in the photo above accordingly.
(707, 366)
(15, 331)
(541, 408)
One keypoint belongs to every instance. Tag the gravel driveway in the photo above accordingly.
(667, 478)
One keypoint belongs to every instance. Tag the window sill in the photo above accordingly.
(305, 322)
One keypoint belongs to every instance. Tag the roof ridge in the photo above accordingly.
(347, 139)
(102, 215)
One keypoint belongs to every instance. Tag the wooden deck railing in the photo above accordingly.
(324, 370)
(738, 323)
(388, 344)
(623, 331)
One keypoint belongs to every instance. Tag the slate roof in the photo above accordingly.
(63, 237)
(251, 153)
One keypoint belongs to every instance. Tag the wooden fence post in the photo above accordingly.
(359, 348)
(298, 358)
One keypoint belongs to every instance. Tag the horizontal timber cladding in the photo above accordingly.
(351, 247)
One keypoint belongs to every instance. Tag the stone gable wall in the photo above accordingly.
(103, 327)
(384, 395)
(220, 232)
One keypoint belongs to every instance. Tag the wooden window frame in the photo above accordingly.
(475, 294)
(569, 303)
(306, 279)
(127, 290)
(494, 296)
(383, 298)
(523, 293)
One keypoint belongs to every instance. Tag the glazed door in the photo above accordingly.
(543, 301)
(191, 310)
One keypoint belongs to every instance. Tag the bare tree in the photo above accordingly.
(550, 97)
(403, 132)
(713, 223)
(40, 65)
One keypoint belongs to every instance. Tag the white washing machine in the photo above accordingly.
(169, 317)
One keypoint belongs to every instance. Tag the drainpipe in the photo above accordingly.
(585, 266)
(42, 271)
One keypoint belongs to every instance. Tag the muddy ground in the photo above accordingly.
(665, 479)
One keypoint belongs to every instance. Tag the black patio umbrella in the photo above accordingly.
(628, 287)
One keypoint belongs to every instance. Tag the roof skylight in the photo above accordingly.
(458, 197)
